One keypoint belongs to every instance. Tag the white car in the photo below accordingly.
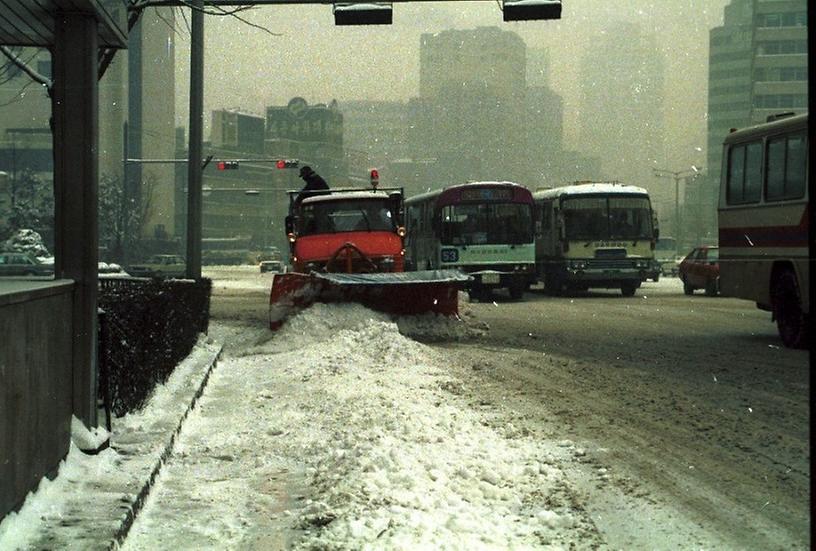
(273, 266)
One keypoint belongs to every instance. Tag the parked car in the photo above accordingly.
(700, 269)
(160, 265)
(23, 264)
(274, 266)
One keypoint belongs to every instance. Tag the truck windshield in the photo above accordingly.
(487, 224)
(607, 218)
(346, 216)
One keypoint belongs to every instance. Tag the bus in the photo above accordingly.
(594, 234)
(484, 229)
(764, 222)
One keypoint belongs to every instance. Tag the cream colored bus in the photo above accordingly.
(764, 218)
(594, 234)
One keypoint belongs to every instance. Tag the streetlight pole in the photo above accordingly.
(676, 175)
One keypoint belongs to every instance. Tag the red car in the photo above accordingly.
(701, 270)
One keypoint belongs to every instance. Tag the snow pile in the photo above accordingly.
(26, 241)
(85, 438)
(394, 459)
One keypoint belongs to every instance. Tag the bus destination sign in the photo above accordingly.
(487, 194)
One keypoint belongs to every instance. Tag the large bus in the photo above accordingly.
(764, 220)
(484, 229)
(594, 234)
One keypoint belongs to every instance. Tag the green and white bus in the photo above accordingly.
(594, 235)
(484, 229)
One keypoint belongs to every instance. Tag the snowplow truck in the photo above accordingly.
(347, 245)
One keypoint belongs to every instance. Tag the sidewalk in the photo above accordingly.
(92, 502)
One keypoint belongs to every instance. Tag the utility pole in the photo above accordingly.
(677, 176)
(194, 153)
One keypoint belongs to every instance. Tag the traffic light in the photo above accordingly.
(287, 163)
(362, 13)
(227, 165)
(528, 10)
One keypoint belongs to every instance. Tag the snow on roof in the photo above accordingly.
(345, 195)
(588, 189)
(432, 193)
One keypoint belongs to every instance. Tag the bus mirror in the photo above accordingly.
(538, 229)
(290, 225)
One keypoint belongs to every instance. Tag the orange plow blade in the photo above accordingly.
(400, 293)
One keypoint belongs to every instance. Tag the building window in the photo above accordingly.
(780, 101)
(782, 47)
(789, 19)
(781, 74)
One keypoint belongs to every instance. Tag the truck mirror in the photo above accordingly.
(395, 204)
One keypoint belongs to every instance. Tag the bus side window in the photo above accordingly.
(744, 184)
(785, 168)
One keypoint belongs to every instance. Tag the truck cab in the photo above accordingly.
(346, 230)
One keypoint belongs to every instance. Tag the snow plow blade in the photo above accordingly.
(400, 293)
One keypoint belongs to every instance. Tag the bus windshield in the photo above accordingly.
(487, 224)
(346, 216)
(607, 218)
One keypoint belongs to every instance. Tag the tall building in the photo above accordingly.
(472, 99)
(151, 120)
(622, 90)
(758, 66)
(377, 131)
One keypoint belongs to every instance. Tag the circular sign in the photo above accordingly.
(297, 106)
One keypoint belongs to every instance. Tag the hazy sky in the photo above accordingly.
(249, 69)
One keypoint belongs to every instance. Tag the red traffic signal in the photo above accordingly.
(287, 163)
(227, 165)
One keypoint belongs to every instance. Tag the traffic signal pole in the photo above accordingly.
(194, 150)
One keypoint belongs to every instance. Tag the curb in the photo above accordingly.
(137, 504)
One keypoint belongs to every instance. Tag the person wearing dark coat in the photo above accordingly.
(314, 182)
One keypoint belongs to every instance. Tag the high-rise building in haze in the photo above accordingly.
(151, 119)
(758, 66)
(621, 104)
(472, 104)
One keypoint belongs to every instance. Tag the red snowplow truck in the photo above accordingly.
(347, 245)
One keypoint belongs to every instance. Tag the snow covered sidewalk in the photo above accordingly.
(341, 433)
(93, 499)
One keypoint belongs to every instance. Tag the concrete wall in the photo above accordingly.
(35, 384)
